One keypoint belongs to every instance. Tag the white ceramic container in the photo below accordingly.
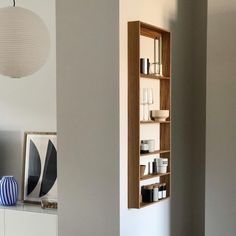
(160, 115)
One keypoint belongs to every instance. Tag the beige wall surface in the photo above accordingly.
(88, 117)
(173, 217)
(221, 116)
(27, 104)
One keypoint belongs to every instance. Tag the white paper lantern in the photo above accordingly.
(24, 42)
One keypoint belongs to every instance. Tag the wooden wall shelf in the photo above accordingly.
(153, 176)
(154, 122)
(136, 30)
(155, 153)
(158, 77)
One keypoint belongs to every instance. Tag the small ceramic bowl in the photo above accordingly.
(160, 115)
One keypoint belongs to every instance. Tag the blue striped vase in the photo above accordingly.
(8, 191)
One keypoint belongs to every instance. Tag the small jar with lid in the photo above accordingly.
(164, 190)
(147, 193)
(144, 148)
(156, 192)
(160, 192)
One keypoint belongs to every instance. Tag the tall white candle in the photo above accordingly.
(160, 54)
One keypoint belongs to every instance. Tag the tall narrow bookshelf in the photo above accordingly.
(136, 30)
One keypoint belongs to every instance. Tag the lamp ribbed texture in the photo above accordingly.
(24, 42)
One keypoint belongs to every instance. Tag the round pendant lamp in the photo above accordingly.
(24, 42)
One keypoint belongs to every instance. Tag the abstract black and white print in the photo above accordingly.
(40, 177)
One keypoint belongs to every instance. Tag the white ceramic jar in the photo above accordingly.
(156, 193)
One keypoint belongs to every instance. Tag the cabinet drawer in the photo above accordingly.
(1, 222)
(28, 223)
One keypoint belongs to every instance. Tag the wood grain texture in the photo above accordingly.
(153, 176)
(133, 113)
(159, 30)
(165, 104)
(152, 76)
(155, 153)
(154, 122)
(166, 54)
(150, 33)
(143, 204)
(137, 29)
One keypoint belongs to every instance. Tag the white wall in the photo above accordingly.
(164, 218)
(88, 117)
(27, 104)
(221, 116)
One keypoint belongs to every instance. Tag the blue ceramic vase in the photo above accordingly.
(8, 191)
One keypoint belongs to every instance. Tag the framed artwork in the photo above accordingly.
(40, 167)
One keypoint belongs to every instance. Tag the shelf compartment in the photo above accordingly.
(145, 177)
(157, 77)
(143, 204)
(154, 122)
(155, 152)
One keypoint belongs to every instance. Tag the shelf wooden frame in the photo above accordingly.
(155, 153)
(154, 122)
(158, 77)
(136, 29)
(145, 177)
(144, 204)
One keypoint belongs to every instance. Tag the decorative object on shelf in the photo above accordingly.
(24, 42)
(150, 101)
(144, 102)
(156, 192)
(147, 99)
(160, 194)
(142, 170)
(154, 167)
(40, 167)
(156, 66)
(8, 191)
(151, 144)
(160, 115)
(145, 64)
(149, 147)
(161, 165)
(47, 204)
(164, 193)
(149, 168)
(147, 193)
(153, 192)
(159, 71)
(144, 148)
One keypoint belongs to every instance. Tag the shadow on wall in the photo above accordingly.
(188, 57)
(11, 152)
(221, 116)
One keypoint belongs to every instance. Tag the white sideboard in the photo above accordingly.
(21, 221)
(2, 222)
